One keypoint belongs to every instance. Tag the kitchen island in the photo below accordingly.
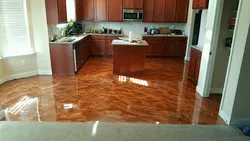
(129, 58)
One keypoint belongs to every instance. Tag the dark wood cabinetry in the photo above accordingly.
(114, 10)
(109, 51)
(194, 65)
(200, 4)
(132, 4)
(98, 45)
(56, 11)
(181, 11)
(148, 11)
(166, 10)
(166, 46)
(170, 10)
(94, 10)
(159, 10)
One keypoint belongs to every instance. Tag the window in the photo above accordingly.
(14, 27)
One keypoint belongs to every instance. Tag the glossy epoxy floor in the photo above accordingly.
(163, 95)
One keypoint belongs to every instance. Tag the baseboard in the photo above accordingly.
(239, 121)
(216, 90)
(45, 72)
(199, 90)
(187, 58)
(224, 116)
(18, 76)
(2, 114)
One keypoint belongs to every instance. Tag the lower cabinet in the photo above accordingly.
(166, 46)
(98, 45)
(82, 52)
(194, 65)
(109, 51)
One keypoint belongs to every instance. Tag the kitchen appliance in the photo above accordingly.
(176, 32)
(132, 15)
(145, 30)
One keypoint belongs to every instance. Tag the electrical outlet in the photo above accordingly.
(23, 63)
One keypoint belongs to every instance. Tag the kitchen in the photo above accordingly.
(99, 22)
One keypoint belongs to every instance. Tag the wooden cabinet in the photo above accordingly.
(56, 11)
(114, 10)
(94, 10)
(200, 4)
(166, 46)
(132, 4)
(82, 52)
(194, 65)
(159, 10)
(166, 11)
(109, 51)
(181, 11)
(148, 11)
(169, 46)
(170, 10)
(88, 10)
(98, 45)
(100, 10)
(78, 10)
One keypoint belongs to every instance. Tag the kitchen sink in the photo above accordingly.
(66, 39)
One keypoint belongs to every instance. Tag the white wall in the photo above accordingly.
(210, 43)
(202, 28)
(235, 102)
(222, 53)
(189, 27)
(41, 40)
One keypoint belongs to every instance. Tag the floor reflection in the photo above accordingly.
(163, 95)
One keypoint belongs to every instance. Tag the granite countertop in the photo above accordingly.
(200, 48)
(80, 37)
(162, 35)
(126, 43)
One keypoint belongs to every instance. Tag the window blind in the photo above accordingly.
(14, 28)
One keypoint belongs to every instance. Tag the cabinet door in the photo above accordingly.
(98, 47)
(180, 49)
(138, 4)
(133, 4)
(192, 63)
(181, 11)
(170, 10)
(62, 11)
(159, 10)
(100, 10)
(157, 47)
(197, 66)
(203, 4)
(79, 7)
(148, 10)
(195, 4)
(128, 4)
(114, 10)
(88, 10)
(168, 49)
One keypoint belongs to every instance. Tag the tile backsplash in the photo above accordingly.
(136, 27)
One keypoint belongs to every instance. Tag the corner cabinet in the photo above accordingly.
(181, 11)
(200, 4)
(194, 65)
(133, 4)
(56, 11)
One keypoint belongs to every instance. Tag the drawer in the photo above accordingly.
(98, 37)
(112, 37)
(153, 38)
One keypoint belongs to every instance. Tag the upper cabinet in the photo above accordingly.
(170, 12)
(94, 10)
(200, 4)
(56, 11)
(114, 10)
(166, 11)
(133, 4)
(181, 11)
(148, 11)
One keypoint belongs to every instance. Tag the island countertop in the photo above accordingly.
(126, 43)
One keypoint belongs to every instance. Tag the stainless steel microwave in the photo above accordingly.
(132, 15)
